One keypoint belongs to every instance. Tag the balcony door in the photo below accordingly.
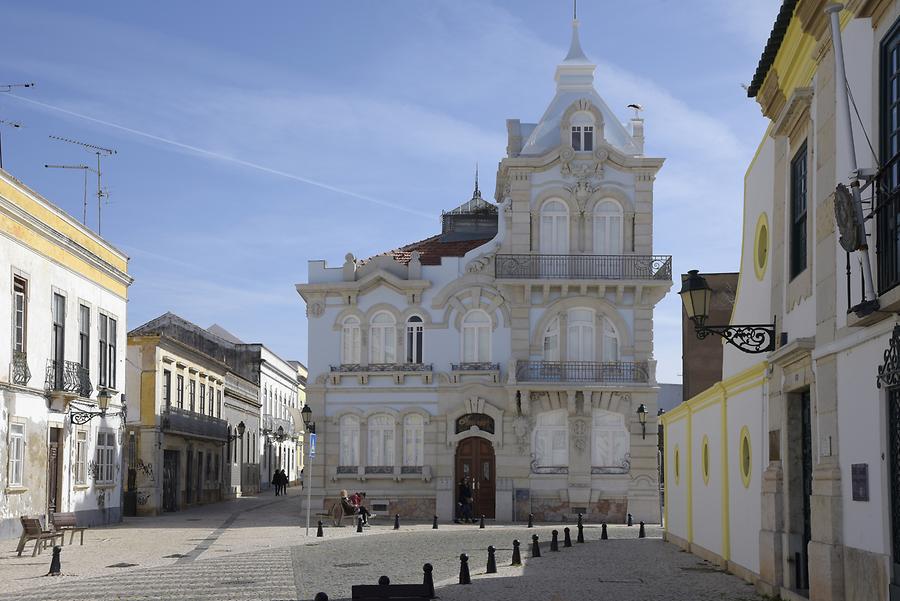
(580, 335)
(607, 228)
(554, 228)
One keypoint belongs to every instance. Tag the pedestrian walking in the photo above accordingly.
(276, 482)
(284, 482)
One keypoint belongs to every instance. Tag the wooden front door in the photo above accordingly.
(475, 461)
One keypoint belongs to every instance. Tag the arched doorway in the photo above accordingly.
(475, 460)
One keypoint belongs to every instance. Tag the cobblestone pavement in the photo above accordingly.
(255, 549)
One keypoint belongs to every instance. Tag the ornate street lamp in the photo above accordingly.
(81, 417)
(642, 417)
(306, 414)
(239, 433)
(695, 295)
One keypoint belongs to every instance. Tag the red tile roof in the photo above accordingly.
(431, 250)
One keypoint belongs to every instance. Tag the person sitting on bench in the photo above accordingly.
(358, 499)
(346, 504)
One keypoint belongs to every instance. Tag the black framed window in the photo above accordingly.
(107, 350)
(798, 212)
(888, 192)
(167, 387)
(202, 399)
(84, 336)
(58, 338)
(193, 395)
(180, 391)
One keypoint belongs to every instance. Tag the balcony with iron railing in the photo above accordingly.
(380, 367)
(181, 421)
(68, 377)
(584, 267)
(18, 369)
(584, 372)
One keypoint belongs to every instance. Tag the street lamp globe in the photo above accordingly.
(103, 396)
(306, 413)
(695, 294)
(241, 428)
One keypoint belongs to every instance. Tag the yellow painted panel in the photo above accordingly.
(148, 398)
(39, 210)
(57, 253)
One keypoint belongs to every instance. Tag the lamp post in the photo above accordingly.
(695, 294)
(310, 426)
(642, 417)
(82, 417)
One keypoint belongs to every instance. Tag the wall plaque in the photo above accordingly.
(482, 421)
(859, 473)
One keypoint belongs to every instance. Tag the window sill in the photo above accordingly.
(80, 487)
(16, 490)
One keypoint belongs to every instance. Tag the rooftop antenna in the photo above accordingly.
(99, 151)
(8, 87)
(574, 10)
(85, 169)
(4, 122)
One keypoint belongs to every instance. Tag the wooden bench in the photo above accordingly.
(65, 522)
(392, 592)
(337, 515)
(33, 530)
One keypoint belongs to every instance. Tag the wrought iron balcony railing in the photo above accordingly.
(616, 372)
(584, 267)
(187, 422)
(68, 376)
(386, 367)
(20, 374)
(475, 366)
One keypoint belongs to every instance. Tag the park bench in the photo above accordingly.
(338, 515)
(391, 592)
(33, 530)
(65, 522)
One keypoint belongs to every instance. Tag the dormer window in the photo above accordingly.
(583, 132)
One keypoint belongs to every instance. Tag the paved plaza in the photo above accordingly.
(255, 548)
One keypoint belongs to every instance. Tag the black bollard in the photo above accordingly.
(434, 525)
(531, 520)
(517, 558)
(359, 524)
(580, 522)
(641, 533)
(603, 535)
(481, 525)
(554, 541)
(630, 520)
(384, 581)
(397, 521)
(535, 547)
(428, 580)
(321, 597)
(580, 537)
(567, 539)
(464, 569)
(320, 533)
(492, 561)
(55, 563)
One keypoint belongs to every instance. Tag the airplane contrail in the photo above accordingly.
(225, 157)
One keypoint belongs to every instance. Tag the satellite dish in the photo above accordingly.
(845, 216)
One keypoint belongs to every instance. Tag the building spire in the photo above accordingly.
(477, 192)
(576, 54)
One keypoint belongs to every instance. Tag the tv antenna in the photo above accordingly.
(8, 87)
(85, 169)
(6, 123)
(100, 151)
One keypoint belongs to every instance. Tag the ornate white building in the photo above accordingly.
(515, 347)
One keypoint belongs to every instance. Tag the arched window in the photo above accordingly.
(350, 341)
(607, 228)
(413, 440)
(382, 339)
(476, 337)
(349, 427)
(551, 439)
(381, 440)
(583, 131)
(580, 335)
(610, 341)
(414, 333)
(610, 441)
(554, 228)
(551, 341)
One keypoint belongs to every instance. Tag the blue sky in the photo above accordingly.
(252, 138)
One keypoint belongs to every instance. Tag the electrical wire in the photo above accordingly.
(861, 124)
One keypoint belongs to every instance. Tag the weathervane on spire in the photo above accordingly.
(574, 10)
(477, 192)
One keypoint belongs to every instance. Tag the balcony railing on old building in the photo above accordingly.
(19, 372)
(68, 376)
(385, 367)
(270, 425)
(180, 421)
(612, 372)
(584, 267)
(481, 366)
